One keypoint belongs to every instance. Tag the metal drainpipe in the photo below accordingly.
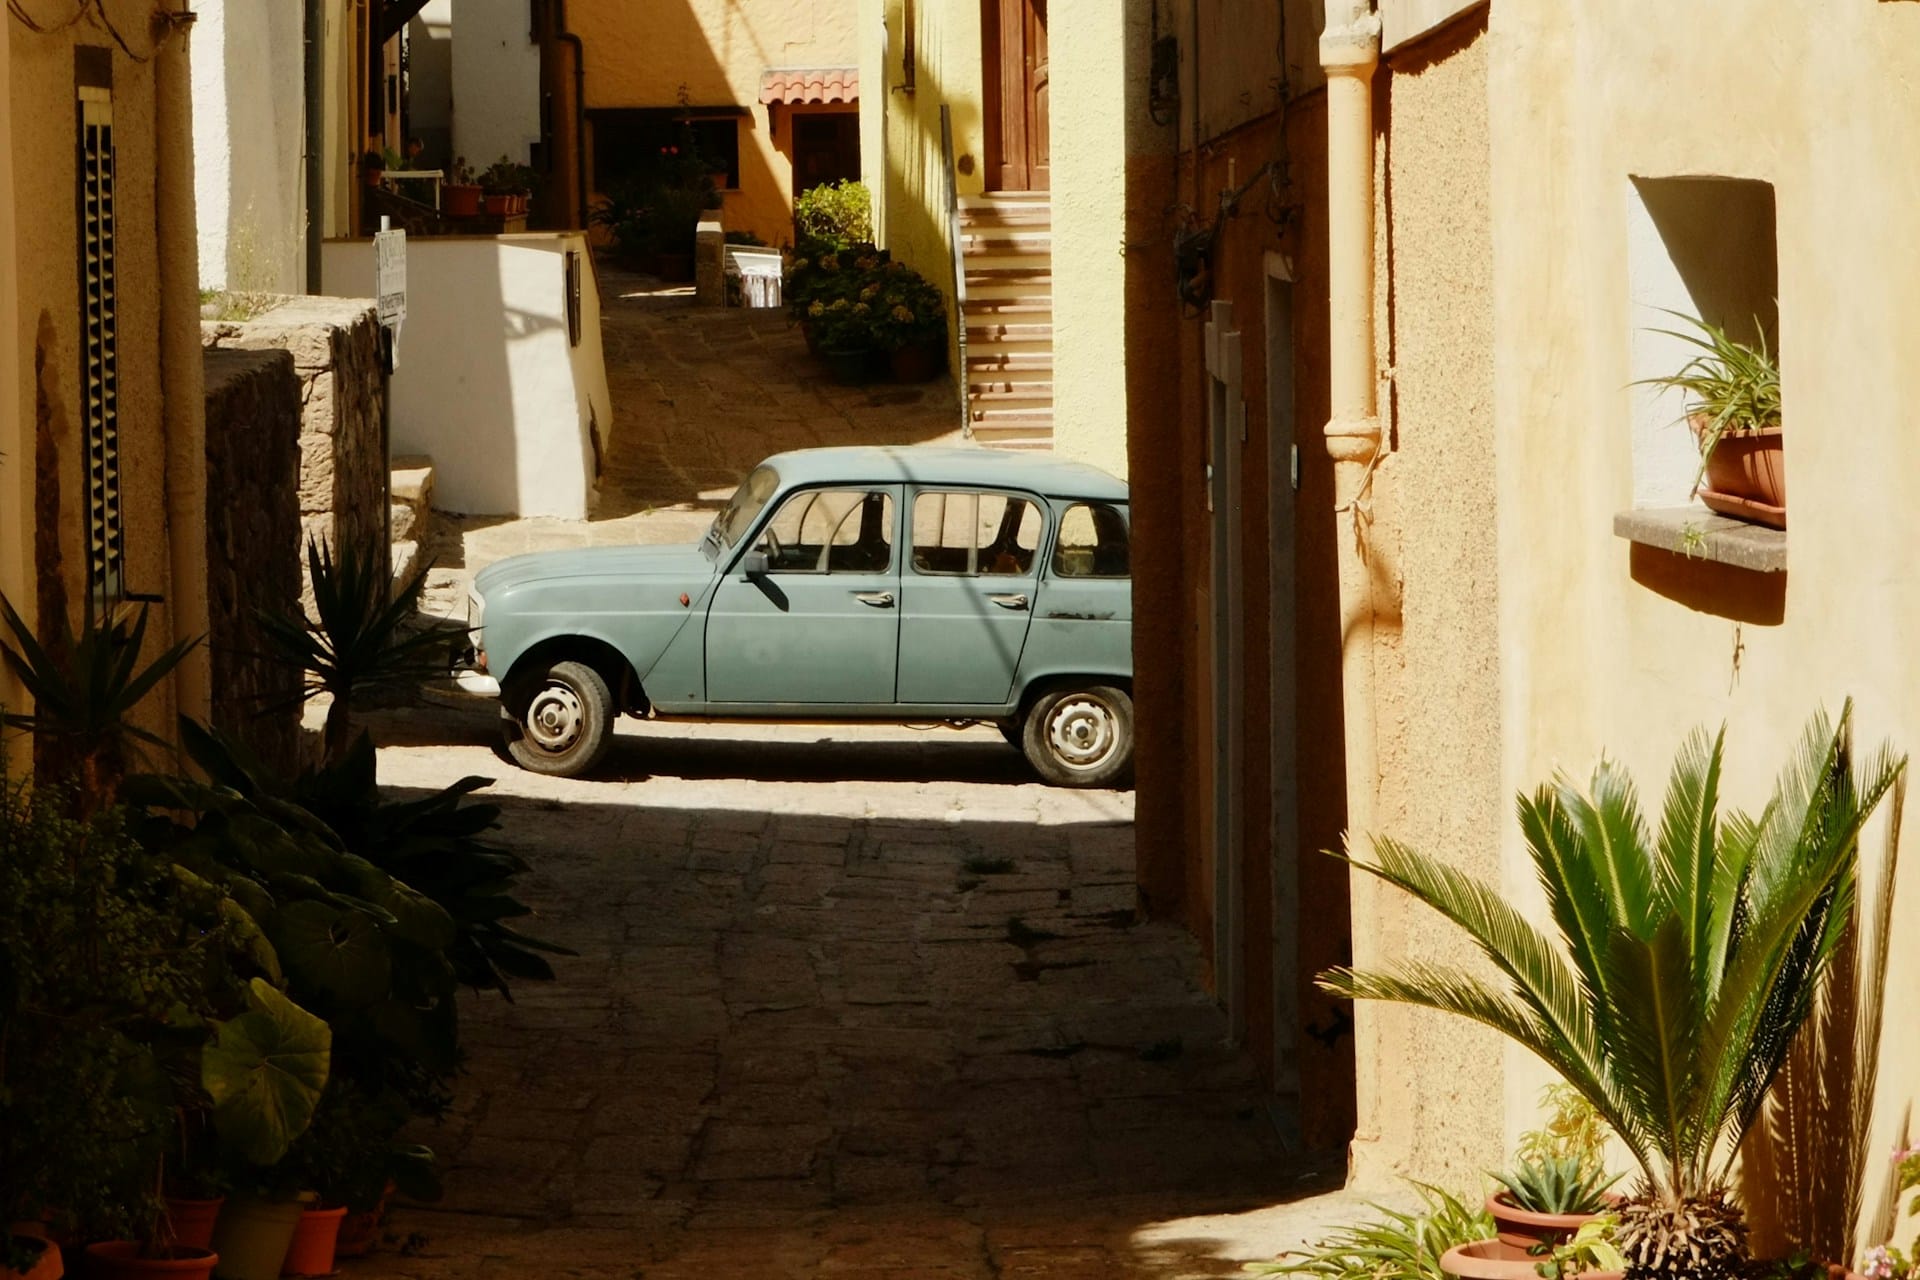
(1350, 51)
(314, 69)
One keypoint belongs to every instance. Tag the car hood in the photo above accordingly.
(685, 563)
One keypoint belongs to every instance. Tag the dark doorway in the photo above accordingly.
(1015, 47)
(826, 148)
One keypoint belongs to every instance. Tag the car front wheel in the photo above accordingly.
(1080, 737)
(560, 722)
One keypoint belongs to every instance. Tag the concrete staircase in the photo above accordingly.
(1007, 244)
(410, 508)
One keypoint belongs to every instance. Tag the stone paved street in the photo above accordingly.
(864, 1000)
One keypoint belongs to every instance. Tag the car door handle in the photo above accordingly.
(1009, 601)
(878, 599)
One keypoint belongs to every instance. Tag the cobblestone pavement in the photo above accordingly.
(861, 1001)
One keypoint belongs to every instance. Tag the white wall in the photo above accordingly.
(489, 386)
(248, 125)
(430, 80)
(496, 82)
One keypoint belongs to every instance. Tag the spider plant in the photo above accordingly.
(1685, 960)
(1399, 1246)
(1729, 385)
(366, 635)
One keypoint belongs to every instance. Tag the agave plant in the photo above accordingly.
(1557, 1184)
(85, 686)
(1684, 964)
(365, 636)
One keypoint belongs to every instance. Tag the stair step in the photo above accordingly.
(1015, 304)
(1027, 243)
(1033, 274)
(1001, 199)
(1030, 383)
(1011, 331)
(411, 480)
(1019, 415)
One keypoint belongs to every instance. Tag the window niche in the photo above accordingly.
(1706, 248)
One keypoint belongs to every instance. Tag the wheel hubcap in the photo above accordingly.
(554, 718)
(1083, 732)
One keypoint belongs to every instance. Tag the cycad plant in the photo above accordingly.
(1682, 965)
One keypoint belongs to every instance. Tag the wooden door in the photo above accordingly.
(1015, 39)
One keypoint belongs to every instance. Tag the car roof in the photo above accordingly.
(937, 465)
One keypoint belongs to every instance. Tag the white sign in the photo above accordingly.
(390, 285)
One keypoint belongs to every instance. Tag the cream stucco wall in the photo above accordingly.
(248, 126)
(496, 82)
(508, 417)
(1822, 101)
(715, 52)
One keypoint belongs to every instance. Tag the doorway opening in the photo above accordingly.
(1014, 57)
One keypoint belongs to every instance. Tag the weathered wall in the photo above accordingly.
(156, 251)
(496, 82)
(253, 545)
(1431, 1104)
(335, 344)
(248, 130)
(1611, 648)
(714, 51)
(510, 417)
(16, 478)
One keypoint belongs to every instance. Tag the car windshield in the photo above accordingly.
(742, 508)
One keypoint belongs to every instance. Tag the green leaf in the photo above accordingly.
(341, 953)
(264, 1072)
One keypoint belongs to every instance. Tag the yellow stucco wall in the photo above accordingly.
(1097, 112)
(716, 51)
(1823, 102)
(16, 493)
(1430, 1104)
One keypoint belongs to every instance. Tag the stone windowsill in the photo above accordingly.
(1700, 534)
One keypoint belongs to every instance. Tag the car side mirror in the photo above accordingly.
(753, 565)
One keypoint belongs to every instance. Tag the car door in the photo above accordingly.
(822, 625)
(967, 594)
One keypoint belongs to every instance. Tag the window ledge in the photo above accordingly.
(1699, 534)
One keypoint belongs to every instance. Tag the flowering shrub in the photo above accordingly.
(1888, 1261)
(856, 297)
(839, 214)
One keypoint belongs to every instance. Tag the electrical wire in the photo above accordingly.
(18, 10)
(174, 22)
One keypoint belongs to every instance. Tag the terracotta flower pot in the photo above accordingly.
(252, 1237)
(918, 362)
(310, 1252)
(1746, 475)
(191, 1221)
(45, 1266)
(461, 201)
(497, 206)
(1522, 1229)
(359, 1233)
(849, 366)
(121, 1260)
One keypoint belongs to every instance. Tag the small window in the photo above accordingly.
(831, 531)
(986, 534)
(1093, 542)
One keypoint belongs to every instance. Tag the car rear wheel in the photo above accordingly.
(1080, 737)
(560, 722)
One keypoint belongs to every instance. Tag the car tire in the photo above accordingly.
(561, 722)
(1080, 736)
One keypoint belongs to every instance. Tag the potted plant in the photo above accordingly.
(1733, 408)
(673, 215)
(1887, 1261)
(910, 322)
(1682, 969)
(1545, 1200)
(461, 196)
(502, 191)
(845, 331)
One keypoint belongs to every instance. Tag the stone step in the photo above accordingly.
(410, 498)
(1032, 274)
(406, 559)
(1025, 383)
(1009, 331)
(1014, 414)
(1022, 243)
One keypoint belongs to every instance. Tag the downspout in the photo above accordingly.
(1350, 51)
(579, 109)
(315, 70)
(182, 378)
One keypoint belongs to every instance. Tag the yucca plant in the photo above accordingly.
(1684, 964)
(1730, 385)
(85, 686)
(366, 635)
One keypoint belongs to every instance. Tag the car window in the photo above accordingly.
(984, 534)
(738, 515)
(1093, 542)
(831, 531)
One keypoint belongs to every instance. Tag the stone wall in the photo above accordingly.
(335, 345)
(253, 555)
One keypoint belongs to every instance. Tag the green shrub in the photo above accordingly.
(838, 214)
(1397, 1246)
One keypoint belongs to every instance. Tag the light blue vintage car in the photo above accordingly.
(877, 584)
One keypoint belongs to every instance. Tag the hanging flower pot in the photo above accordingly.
(121, 1260)
(310, 1252)
(190, 1222)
